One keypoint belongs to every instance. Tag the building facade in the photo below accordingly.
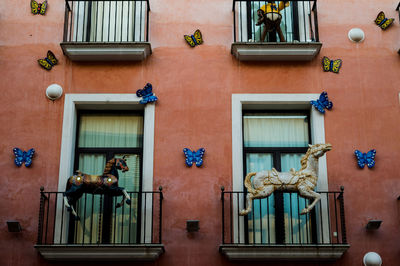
(244, 100)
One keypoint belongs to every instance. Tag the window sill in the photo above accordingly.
(137, 252)
(106, 51)
(275, 51)
(242, 252)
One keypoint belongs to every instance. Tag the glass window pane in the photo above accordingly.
(88, 206)
(261, 221)
(124, 227)
(298, 227)
(275, 130)
(110, 130)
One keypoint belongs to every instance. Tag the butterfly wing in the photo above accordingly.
(43, 63)
(387, 23)
(380, 18)
(198, 156)
(198, 37)
(318, 105)
(370, 158)
(52, 58)
(43, 8)
(324, 101)
(360, 158)
(189, 40)
(336, 65)
(19, 157)
(189, 157)
(28, 157)
(326, 63)
(34, 7)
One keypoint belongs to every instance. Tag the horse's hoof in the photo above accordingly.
(243, 213)
(304, 211)
(128, 201)
(118, 205)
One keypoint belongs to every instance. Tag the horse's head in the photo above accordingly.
(120, 163)
(318, 150)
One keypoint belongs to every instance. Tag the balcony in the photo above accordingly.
(103, 232)
(275, 230)
(114, 30)
(298, 41)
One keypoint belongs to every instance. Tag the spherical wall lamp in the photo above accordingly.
(54, 91)
(372, 259)
(356, 35)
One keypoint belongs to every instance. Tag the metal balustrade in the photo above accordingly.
(100, 222)
(299, 22)
(112, 21)
(324, 225)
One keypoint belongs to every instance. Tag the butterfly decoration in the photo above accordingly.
(23, 157)
(147, 94)
(322, 103)
(195, 39)
(365, 158)
(48, 62)
(38, 8)
(331, 65)
(194, 157)
(382, 21)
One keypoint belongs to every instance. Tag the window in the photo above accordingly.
(102, 136)
(108, 21)
(88, 141)
(279, 150)
(296, 21)
(276, 139)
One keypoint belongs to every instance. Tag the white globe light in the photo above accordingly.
(372, 259)
(54, 91)
(356, 35)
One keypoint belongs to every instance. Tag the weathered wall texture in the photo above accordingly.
(194, 87)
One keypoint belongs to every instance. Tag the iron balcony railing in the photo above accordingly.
(264, 225)
(299, 21)
(100, 222)
(117, 21)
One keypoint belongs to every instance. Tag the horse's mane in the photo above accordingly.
(304, 159)
(109, 166)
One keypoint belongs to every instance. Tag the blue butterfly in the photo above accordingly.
(194, 157)
(365, 158)
(23, 157)
(322, 103)
(147, 94)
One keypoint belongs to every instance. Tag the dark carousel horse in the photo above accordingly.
(107, 183)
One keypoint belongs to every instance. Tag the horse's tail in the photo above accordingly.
(247, 182)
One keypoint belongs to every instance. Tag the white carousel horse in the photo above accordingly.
(303, 181)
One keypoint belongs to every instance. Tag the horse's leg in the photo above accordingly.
(308, 193)
(266, 192)
(126, 196)
(70, 197)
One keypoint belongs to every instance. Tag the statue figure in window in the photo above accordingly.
(270, 16)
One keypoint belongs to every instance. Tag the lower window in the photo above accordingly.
(102, 136)
(277, 139)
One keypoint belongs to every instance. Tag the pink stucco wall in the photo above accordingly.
(194, 87)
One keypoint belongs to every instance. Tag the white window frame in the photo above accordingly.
(72, 103)
(275, 101)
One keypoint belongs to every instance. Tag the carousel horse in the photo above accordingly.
(107, 183)
(303, 181)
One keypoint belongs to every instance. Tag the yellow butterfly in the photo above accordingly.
(49, 61)
(194, 39)
(38, 8)
(382, 21)
(331, 65)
